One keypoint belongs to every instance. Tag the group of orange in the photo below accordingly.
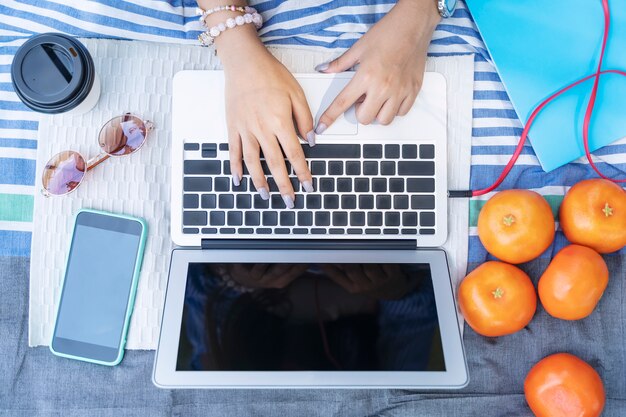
(498, 298)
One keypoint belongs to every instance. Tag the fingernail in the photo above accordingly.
(320, 129)
(288, 201)
(236, 180)
(310, 137)
(308, 187)
(265, 195)
(321, 67)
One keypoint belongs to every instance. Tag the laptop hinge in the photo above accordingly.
(353, 244)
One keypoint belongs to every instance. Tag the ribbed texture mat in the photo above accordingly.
(137, 77)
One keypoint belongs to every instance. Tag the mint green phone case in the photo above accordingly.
(133, 290)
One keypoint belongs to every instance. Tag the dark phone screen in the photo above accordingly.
(309, 317)
(97, 284)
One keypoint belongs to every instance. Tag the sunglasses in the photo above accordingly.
(120, 136)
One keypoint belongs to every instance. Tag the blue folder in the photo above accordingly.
(538, 47)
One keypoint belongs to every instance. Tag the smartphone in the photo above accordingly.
(98, 288)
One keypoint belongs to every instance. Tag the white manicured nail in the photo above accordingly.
(320, 128)
(288, 201)
(322, 67)
(265, 195)
(310, 137)
(308, 186)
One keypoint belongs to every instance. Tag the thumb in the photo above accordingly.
(346, 61)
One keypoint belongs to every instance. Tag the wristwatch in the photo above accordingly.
(446, 7)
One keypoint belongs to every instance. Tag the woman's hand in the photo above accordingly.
(263, 101)
(392, 57)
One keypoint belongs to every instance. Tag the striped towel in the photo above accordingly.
(307, 24)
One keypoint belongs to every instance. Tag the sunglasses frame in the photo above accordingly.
(101, 157)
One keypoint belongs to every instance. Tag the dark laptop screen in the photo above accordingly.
(309, 317)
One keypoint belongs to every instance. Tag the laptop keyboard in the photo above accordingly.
(360, 189)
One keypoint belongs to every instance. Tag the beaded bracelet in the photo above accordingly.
(208, 38)
(206, 13)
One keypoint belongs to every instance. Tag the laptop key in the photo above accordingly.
(427, 231)
(300, 231)
(427, 218)
(202, 167)
(223, 146)
(295, 183)
(318, 168)
(370, 168)
(361, 185)
(335, 151)
(327, 185)
(392, 218)
(423, 202)
(263, 230)
(252, 218)
(416, 168)
(392, 151)
(191, 146)
(409, 151)
(375, 218)
(388, 168)
(226, 201)
(340, 218)
(344, 185)
(209, 201)
(242, 187)
(245, 230)
(336, 231)
(348, 202)
(373, 151)
(335, 168)
(227, 230)
(209, 150)
(379, 185)
(354, 231)
(244, 201)
(281, 231)
(420, 185)
(191, 201)
(277, 201)
(259, 203)
(357, 218)
(396, 185)
(305, 218)
(390, 231)
(272, 184)
(427, 151)
(409, 231)
(313, 201)
(353, 168)
(217, 218)
(400, 202)
(318, 231)
(299, 201)
(287, 218)
(366, 202)
(226, 170)
(209, 231)
(331, 201)
(190, 230)
(372, 231)
(383, 202)
(270, 218)
(234, 218)
(409, 218)
(322, 218)
(194, 218)
(222, 184)
(198, 184)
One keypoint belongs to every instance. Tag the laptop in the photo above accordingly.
(346, 290)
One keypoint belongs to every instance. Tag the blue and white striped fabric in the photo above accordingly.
(306, 24)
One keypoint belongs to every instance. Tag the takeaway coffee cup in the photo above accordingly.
(54, 73)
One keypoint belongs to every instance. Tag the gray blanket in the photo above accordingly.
(36, 383)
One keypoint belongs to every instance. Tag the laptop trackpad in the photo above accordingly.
(320, 93)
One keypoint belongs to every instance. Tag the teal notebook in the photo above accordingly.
(538, 47)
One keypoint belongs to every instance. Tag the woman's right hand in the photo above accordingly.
(263, 101)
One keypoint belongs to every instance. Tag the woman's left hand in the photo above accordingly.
(392, 57)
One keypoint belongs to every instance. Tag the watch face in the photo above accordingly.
(451, 5)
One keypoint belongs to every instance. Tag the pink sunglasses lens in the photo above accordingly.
(64, 172)
(122, 135)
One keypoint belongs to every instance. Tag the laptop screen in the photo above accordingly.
(309, 317)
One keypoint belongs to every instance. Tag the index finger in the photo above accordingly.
(344, 100)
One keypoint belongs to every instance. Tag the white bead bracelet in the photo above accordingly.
(208, 38)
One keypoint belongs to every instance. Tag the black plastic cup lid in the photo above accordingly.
(52, 73)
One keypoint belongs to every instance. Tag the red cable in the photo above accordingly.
(588, 113)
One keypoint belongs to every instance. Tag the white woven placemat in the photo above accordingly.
(137, 77)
